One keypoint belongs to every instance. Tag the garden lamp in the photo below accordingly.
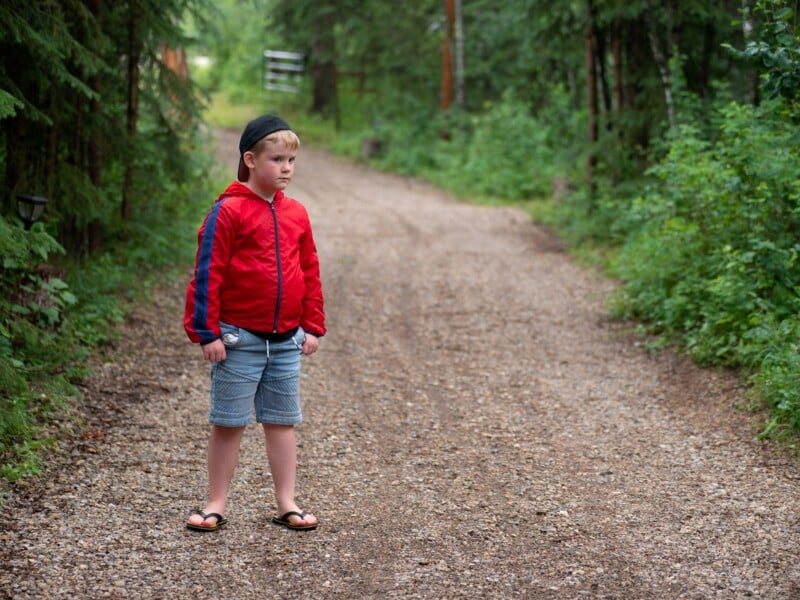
(30, 208)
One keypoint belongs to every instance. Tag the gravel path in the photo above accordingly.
(475, 428)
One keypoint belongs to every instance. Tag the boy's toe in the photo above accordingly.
(308, 519)
(296, 520)
(201, 521)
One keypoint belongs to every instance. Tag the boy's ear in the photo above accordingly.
(249, 159)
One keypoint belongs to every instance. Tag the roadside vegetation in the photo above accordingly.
(677, 175)
(124, 170)
(661, 140)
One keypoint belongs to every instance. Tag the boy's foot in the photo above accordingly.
(200, 521)
(298, 520)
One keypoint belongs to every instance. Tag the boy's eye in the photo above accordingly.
(281, 159)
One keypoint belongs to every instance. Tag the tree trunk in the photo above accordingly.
(95, 140)
(459, 67)
(325, 85)
(753, 80)
(616, 49)
(599, 42)
(133, 110)
(14, 162)
(710, 44)
(636, 67)
(591, 95)
(446, 94)
(662, 64)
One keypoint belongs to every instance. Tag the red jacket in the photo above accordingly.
(256, 268)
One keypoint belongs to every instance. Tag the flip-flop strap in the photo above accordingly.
(286, 516)
(209, 515)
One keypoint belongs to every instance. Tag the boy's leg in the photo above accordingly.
(233, 385)
(282, 457)
(223, 454)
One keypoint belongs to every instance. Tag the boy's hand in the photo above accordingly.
(214, 352)
(311, 344)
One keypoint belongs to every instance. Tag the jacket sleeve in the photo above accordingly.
(201, 315)
(313, 317)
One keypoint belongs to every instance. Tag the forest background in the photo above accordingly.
(659, 138)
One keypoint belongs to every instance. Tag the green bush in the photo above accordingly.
(55, 310)
(503, 154)
(710, 254)
(778, 378)
(509, 155)
(32, 306)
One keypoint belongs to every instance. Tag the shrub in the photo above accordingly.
(711, 253)
(32, 302)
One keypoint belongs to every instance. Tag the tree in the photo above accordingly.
(325, 94)
(775, 46)
(75, 118)
(592, 59)
(132, 113)
(647, 58)
(446, 97)
(662, 62)
(394, 50)
(312, 27)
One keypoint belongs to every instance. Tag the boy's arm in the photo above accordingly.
(201, 316)
(313, 318)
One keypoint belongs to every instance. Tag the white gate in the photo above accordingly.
(283, 71)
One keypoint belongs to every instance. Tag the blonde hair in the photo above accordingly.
(287, 137)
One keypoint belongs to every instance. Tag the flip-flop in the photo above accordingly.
(285, 522)
(220, 521)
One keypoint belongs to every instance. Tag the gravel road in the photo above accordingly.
(476, 427)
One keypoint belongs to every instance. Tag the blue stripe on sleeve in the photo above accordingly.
(200, 317)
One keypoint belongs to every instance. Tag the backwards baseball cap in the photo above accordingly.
(255, 130)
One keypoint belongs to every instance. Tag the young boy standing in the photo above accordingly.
(255, 305)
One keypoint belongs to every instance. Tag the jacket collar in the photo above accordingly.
(237, 188)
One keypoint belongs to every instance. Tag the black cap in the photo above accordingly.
(255, 130)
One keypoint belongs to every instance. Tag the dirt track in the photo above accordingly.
(475, 428)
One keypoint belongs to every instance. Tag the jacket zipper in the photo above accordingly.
(278, 267)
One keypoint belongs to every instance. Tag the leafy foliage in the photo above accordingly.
(690, 178)
(100, 109)
(90, 114)
(711, 253)
(776, 48)
(55, 311)
(701, 206)
(31, 310)
(233, 35)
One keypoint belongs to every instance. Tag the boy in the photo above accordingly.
(255, 305)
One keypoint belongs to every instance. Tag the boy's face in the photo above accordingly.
(271, 170)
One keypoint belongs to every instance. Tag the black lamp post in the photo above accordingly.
(30, 208)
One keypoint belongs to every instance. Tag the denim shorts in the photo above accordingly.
(256, 375)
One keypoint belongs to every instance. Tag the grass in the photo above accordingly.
(221, 112)
(313, 130)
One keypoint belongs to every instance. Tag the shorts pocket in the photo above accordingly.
(229, 335)
(299, 338)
